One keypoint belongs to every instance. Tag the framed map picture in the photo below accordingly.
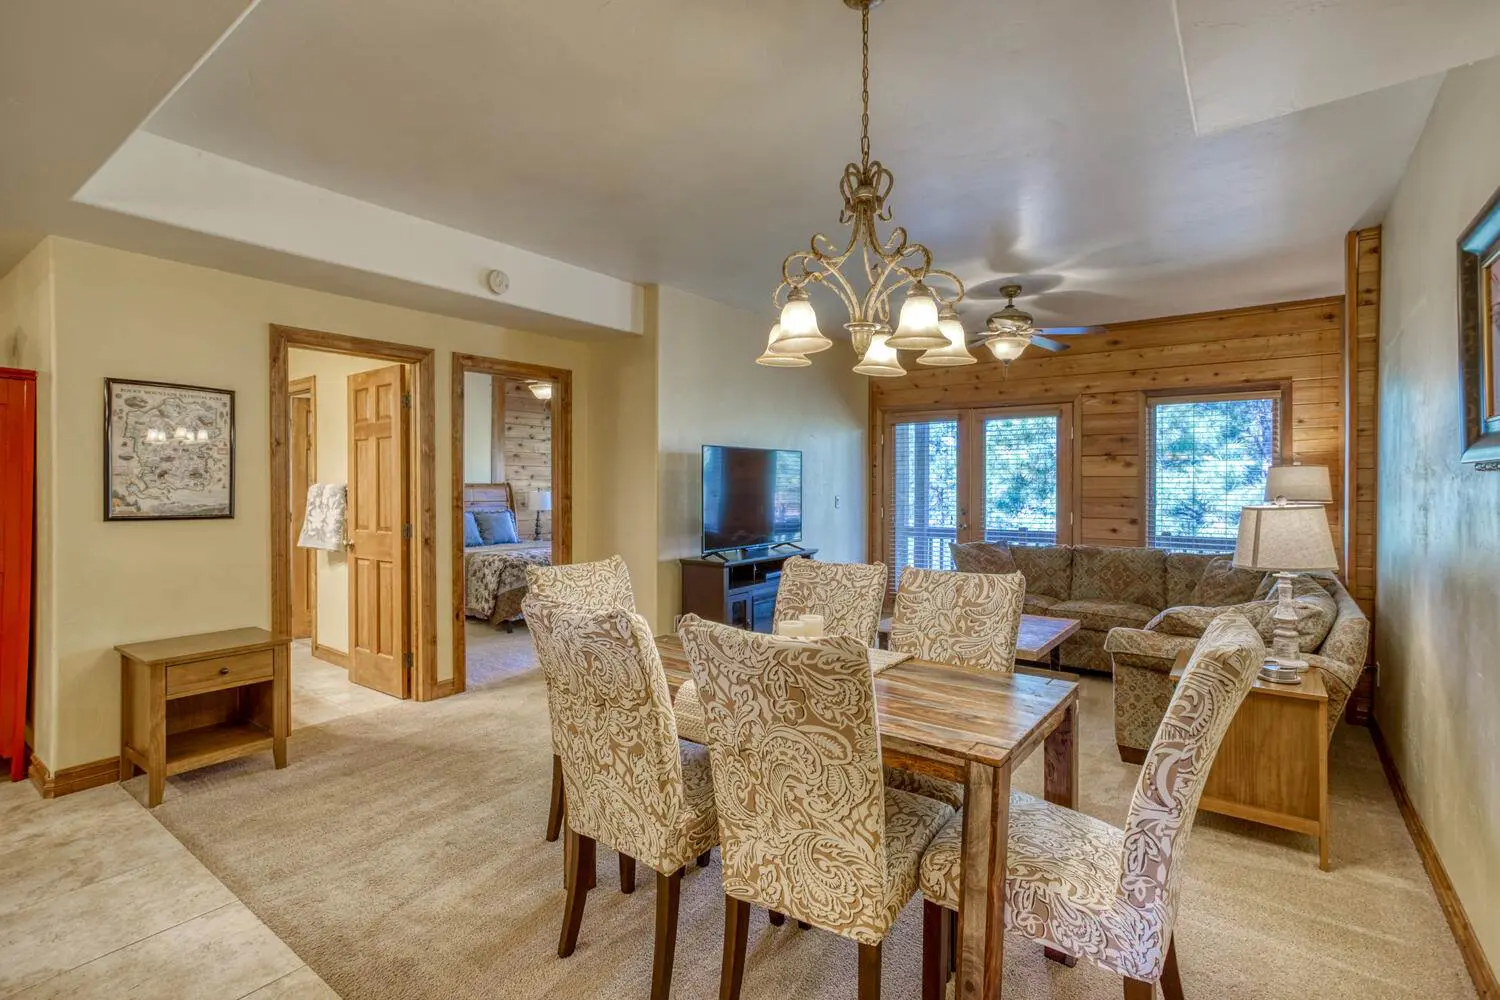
(1479, 336)
(168, 451)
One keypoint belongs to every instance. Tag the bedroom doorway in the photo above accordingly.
(352, 476)
(512, 504)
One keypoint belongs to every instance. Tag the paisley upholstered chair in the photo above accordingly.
(602, 584)
(1089, 890)
(809, 829)
(631, 785)
(849, 596)
(971, 619)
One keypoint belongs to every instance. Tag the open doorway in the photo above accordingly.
(349, 521)
(512, 504)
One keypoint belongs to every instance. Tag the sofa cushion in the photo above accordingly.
(1315, 616)
(1104, 615)
(1131, 576)
(1039, 604)
(1222, 583)
(982, 557)
(1184, 570)
(1048, 569)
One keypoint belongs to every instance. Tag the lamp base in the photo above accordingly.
(1278, 673)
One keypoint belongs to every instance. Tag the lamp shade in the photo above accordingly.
(541, 500)
(541, 390)
(799, 333)
(1007, 347)
(880, 359)
(918, 329)
(1285, 537)
(1299, 484)
(771, 358)
(957, 351)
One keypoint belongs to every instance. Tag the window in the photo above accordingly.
(1206, 458)
(925, 507)
(1020, 480)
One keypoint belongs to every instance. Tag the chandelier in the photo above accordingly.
(928, 321)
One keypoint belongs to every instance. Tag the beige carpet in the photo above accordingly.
(400, 855)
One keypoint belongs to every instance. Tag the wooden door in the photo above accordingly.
(1020, 462)
(304, 474)
(378, 585)
(17, 488)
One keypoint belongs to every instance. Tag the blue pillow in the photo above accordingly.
(497, 527)
(471, 531)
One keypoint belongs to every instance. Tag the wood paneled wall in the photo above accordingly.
(526, 443)
(1107, 377)
(1363, 403)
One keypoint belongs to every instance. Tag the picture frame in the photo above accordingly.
(168, 451)
(1479, 337)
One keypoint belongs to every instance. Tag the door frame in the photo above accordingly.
(422, 486)
(562, 477)
(308, 386)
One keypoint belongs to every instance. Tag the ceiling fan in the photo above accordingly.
(1010, 331)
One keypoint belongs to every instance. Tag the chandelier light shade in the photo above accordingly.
(880, 359)
(1007, 347)
(867, 269)
(956, 351)
(775, 359)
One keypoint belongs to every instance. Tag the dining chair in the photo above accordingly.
(1086, 889)
(601, 584)
(968, 619)
(631, 784)
(848, 596)
(809, 829)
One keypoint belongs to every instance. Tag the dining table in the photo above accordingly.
(975, 727)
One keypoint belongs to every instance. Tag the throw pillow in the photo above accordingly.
(496, 527)
(982, 557)
(1223, 583)
(1120, 575)
(1315, 617)
(472, 537)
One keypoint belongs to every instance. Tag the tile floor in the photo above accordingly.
(322, 691)
(97, 899)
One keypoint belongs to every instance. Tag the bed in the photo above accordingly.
(495, 575)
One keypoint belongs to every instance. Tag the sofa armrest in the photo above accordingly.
(1134, 647)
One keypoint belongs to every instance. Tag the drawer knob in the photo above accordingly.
(223, 671)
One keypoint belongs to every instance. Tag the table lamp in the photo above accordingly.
(1299, 484)
(541, 500)
(1286, 539)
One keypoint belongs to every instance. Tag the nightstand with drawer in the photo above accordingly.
(198, 700)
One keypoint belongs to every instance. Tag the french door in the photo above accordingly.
(998, 475)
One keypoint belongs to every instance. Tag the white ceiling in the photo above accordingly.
(694, 144)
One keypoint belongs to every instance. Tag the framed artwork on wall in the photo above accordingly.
(1479, 336)
(168, 451)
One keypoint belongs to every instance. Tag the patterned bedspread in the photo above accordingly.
(496, 580)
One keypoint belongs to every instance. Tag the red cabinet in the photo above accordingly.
(17, 510)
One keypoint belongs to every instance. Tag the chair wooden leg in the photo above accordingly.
(869, 972)
(705, 858)
(804, 925)
(668, 896)
(1171, 979)
(936, 948)
(555, 813)
(581, 860)
(777, 918)
(1060, 957)
(952, 941)
(627, 874)
(736, 935)
(1136, 989)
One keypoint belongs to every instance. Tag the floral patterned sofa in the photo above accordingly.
(1139, 607)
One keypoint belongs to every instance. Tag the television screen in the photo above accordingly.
(751, 496)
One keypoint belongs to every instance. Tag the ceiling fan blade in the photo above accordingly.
(1047, 344)
(1068, 331)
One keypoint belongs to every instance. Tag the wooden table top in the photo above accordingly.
(186, 648)
(1312, 687)
(954, 714)
(1039, 634)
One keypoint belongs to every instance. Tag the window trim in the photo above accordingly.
(1149, 400)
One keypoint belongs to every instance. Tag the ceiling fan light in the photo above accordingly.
(1007, 347)
(772, 358)
(541, 390)
(918, 329)
(880, 359)
(957, 351)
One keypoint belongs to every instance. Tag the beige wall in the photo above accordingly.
(131, 316)
(712, 392)
(330, 374)
(479, 404)
(1439, 521)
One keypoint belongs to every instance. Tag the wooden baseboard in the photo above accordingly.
(1478, 964)
(330, 655)
(73, 779)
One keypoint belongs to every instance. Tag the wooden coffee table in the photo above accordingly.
(1272, 767)
(1039, 643)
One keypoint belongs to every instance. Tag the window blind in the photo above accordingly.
(1020, 480)
(1206, 458)
(922, 518)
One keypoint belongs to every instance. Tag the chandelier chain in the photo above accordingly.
(864, 121)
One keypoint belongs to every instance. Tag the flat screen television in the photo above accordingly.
(752, 497)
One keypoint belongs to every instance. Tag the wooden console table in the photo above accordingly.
(1272, 767)
(197, 700)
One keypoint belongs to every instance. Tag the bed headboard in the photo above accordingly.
(488, 496)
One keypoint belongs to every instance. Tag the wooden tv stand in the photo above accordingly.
(740, 592)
